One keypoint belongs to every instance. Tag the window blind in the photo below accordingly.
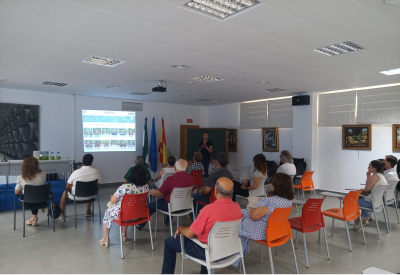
(337, 109)
(253, 115)
(280, 113)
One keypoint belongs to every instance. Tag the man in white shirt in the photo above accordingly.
(84, 174)
(167, 170)
(287, 167)
(390, 173)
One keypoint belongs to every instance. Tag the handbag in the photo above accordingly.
(56, 210)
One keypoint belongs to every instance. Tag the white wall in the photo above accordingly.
(61, 126)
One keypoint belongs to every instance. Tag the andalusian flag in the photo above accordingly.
(162, 148)
(145, 143)
(153, 148)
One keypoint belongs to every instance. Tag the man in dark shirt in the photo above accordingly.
(179, 179)
(138, 162)
(205, 148)
(222, 171)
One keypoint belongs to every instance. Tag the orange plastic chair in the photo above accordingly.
(311, 220)
(198, 179)
(306, 183)
(349, 212)
(134, 211)
(278, 233)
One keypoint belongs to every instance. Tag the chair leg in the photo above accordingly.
(305, 249)
(297, 240)
(209, 271)
(15, 211)
(397, 212)
(333, 223)
(151, 237)
(262, 250)
(270, 259)
(23, 219)
(304, 199)
(98, 200)
(76, 215)
(170, 224)
(314, 193)
(326, 244)
(348, 235)
(182, 264)
(134, 233)
(294, 257)
(319, 235)
(155, 230)
(93, 210)
(54, 220)
(388, 219)
(244, 268)
(377, 227)
(120, 241)
(386, 215)
(362, 230)
(48, 216)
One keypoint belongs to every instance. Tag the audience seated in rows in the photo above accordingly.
(222, 210)
(374, 179)
(137, 185)
(287, 167)
(30, 175)
(167, 170)
(259, 177)
(139, 161)
(196, 165)
(179, 179)
(221, 162)
(84, 174)
(255, 220)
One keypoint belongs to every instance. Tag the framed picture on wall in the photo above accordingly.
(232, 140)
(270, 139)
(357, 137)
(396, 137)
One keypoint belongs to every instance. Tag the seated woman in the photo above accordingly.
(138, 185)
(259, 177)
(287, 167)
(196, 165)
(374, 179)
(255, 221)
(30, 175)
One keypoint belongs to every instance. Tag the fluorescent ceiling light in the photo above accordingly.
(206, 100)
(141, 93)
(363, 88)
(221, 8)
(207, 78)
(337, 49)
(58, 84)
(179, 66)
(275, 98)
(102, 61)
(391, 72)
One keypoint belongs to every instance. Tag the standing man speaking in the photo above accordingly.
(205, 148)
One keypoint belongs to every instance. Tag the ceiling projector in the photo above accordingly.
(160, 87)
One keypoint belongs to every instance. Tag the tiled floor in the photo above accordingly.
(71, 250)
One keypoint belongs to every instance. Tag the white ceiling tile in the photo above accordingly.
(13, 4)
(92, 36)
(393, 17)
(370, 60)
(95, 4)
(385, 43)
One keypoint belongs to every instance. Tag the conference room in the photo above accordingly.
(124, 79)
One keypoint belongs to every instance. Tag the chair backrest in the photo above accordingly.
(350, 204)
(311, 214)
(37, 193)
(391, 188)
(223, 240)
(213, 198)
(86, 188)
(181, 198)
(377, 195)
(245, 173)
(198, 178)
(134, 207)
(306, 179)
(278, 225)
(260, 191)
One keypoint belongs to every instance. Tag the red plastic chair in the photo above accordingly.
(311, 220)
(306, 183)
(349, 212)
(278, 233)
(134, 211)
(198, 179)
(212, 199)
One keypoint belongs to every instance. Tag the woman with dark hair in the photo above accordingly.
(374, 179)
(255, 221)
(30, 175)
(196, 165)
(259, 177)
(137, 185)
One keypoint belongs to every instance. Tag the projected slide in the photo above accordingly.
(108, 131)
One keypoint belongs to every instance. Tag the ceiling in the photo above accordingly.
(43, 40)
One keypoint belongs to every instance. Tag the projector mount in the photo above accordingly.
(161, 87)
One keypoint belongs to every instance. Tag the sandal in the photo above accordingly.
(105, 242)
(32, 221)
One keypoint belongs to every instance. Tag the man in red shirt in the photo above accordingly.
(222, 210)
(179, 179)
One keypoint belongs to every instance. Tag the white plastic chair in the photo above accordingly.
(223, 248)
(180, 205)
(390, 198)
(378, 205)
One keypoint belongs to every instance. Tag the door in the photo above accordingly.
(183, 140)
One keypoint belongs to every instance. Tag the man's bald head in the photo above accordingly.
(224, 187)
(180, 165)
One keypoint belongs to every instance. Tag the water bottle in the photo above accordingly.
(58, 157)
(40, 156)
(52, 156)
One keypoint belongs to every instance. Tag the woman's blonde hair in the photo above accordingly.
(30, 167)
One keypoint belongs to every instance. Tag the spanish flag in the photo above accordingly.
(162, 148)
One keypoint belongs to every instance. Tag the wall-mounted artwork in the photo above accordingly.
(232, 140)
(270, 139)
(396, 137)
(357, 137)
(19, 130)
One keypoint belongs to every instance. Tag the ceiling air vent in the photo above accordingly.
(274, 90)
(207, 78)
(132, 106)
(58, 84)
(102, 61)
